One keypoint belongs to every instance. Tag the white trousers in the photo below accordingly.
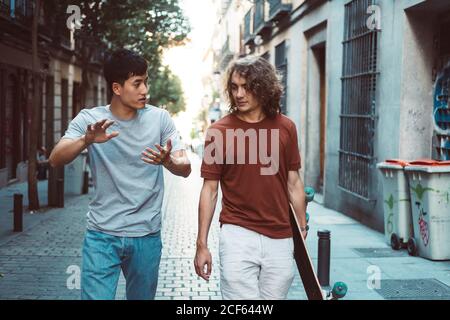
(253, 266)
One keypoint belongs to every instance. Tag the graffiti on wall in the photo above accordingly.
(441, 114)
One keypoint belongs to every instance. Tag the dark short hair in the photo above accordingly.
(123, 64)
(263, 81)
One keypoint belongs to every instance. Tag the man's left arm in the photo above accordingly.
(178, 163)
(297, 198)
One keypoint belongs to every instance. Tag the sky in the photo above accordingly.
(186, 61)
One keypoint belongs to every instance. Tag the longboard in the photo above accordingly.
(304, 264)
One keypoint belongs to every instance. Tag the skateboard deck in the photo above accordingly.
(304, 264)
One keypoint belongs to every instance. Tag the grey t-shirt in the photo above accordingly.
(128, 191)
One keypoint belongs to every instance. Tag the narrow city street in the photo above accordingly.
(44, 261)
(354, 95)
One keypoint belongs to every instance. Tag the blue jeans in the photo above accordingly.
(105, 255)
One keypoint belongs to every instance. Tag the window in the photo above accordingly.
(247, 25)
(49, 113)
(24, 8)
(259, 14)
(5, 7)
(103, 98)
(64, 105)
(2, 120)
(95, 96)
(76, 101)
(359, 79)
(282, 67)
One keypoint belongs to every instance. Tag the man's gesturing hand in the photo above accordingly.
(96, 133)
(161, 157)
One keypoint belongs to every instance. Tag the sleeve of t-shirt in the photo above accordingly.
(293, 152)
(77, 127)
(169, 131)
(211, 169)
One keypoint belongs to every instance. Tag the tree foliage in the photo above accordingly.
(144, 26)
(166, 91)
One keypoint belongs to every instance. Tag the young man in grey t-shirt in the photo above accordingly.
(128, 143)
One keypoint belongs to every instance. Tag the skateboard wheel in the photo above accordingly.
(395, 242)
(310, 192)
(412, 247)
(339, 290)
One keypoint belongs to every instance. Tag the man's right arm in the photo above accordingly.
(207, 206)
(66, 151)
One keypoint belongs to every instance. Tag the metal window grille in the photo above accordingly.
(359, 82)
(282, 66)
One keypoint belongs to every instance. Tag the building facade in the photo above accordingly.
(360, 79)
(60, 85)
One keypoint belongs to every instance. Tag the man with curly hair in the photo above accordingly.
(253, 153)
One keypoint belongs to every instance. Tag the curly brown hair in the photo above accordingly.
(263, 82)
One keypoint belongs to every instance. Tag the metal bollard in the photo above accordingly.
(323, 262)
(18, 212)
(85, 183)
(60, 193)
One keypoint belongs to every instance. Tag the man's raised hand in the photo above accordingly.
(162, 157)
(96, 133)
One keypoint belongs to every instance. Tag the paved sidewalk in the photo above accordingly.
(40, 263)
(360, 256)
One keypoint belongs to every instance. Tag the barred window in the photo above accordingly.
(359, 80)
(2, 119)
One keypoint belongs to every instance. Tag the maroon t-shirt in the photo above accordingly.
(252, 161)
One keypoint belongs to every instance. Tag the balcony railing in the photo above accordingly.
(279, 9)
